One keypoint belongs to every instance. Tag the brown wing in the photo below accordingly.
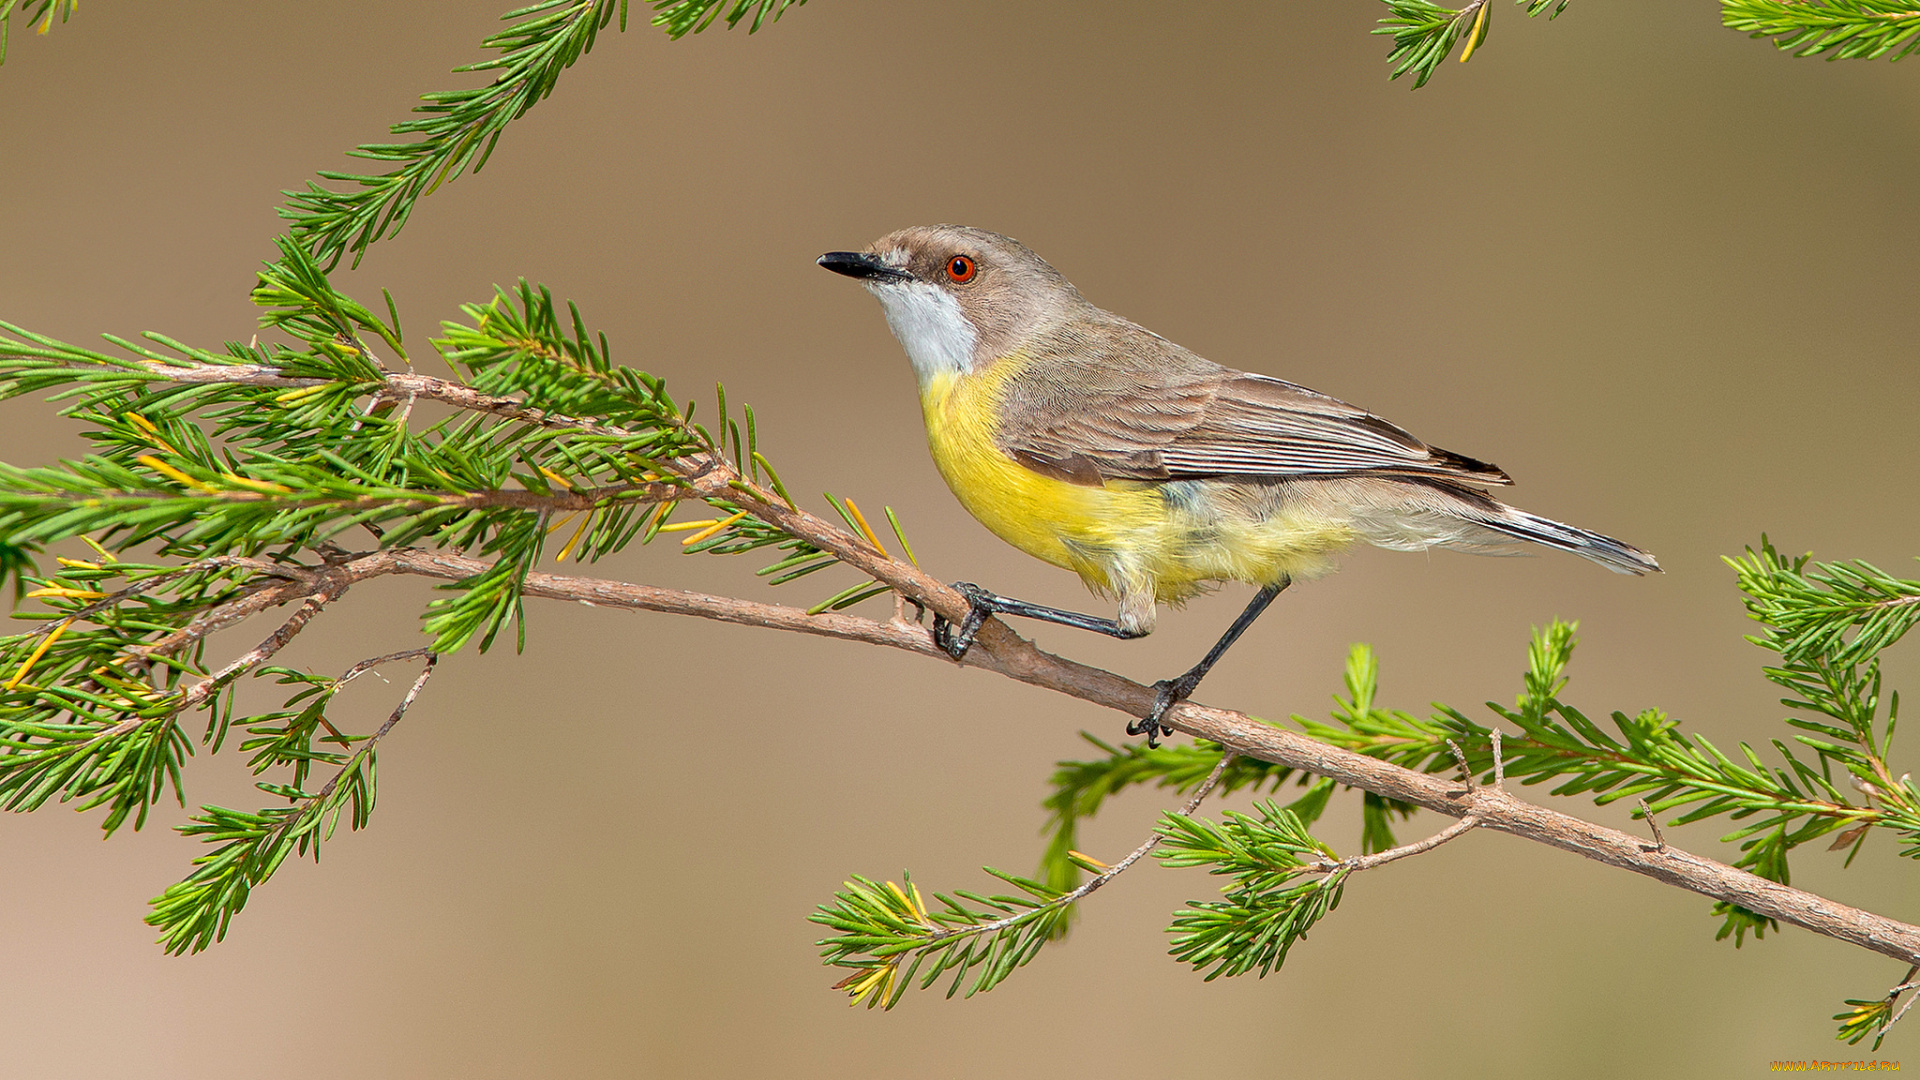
(1138, 407)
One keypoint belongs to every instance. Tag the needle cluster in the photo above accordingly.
(1425, 34)
(40, 12)
(457, 130)
(246, 470)
(1827, 623)
(1841, 29)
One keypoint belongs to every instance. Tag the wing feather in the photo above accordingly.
(1139, 407)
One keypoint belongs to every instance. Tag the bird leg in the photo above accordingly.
(956, 641)
(1171, 692)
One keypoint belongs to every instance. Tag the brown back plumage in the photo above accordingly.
(1139, 407)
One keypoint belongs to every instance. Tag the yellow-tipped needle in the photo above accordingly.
(169, 471)
(68, 593)
(866, 528)
(153, 433)
(1479, 32)
(586, 519)
(1087, 862)
(21, 675)
(712, 528)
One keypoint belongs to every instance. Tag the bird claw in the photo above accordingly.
(955, 643)
(1166, 694)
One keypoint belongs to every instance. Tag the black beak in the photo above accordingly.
(858, 264)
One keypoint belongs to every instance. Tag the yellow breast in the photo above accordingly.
(1165, 540)
(1069, 525)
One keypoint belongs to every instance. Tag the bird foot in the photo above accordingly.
(1166, 694)
(956, 641)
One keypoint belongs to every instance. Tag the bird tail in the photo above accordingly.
(1416, 513)
(1615, 555)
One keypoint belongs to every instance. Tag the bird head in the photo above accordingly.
(958, 298)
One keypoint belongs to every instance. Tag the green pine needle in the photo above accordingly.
(457, 130)
(34, 11)
(1833, 620)
(1264, 912)
(1842, 29)
(244, 467)
(682, 17)
(887, 933)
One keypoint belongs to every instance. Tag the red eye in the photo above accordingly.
(960, 269)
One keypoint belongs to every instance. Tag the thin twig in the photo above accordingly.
(1466, 771)
(1906, 984)
(419, 683)
(1499, 764)
(1659, 842)
(365, 666)
(362, 668)
(1079, 893)
(199, 692)
(1381, 858)
(319, 798)
(1897, 1016)
(255, 598)
(1206, 785)
(147, 584)
(328, 592)
(1153, 841)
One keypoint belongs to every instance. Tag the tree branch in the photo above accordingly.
(325, 591)
(1000, 650)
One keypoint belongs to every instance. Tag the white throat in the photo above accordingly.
(927, 319)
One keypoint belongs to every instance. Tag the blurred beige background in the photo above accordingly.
(1661, 273)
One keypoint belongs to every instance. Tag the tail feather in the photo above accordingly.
(1414, 514)
(1615, 555)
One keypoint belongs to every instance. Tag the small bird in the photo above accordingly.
(1102, 447)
